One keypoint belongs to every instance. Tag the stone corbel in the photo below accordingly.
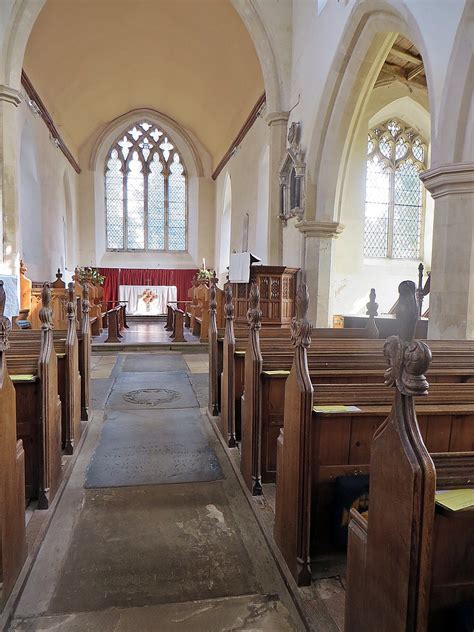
(329, 230)
(10, 95)
(454, 179)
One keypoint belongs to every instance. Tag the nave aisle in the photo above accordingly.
(153, 532)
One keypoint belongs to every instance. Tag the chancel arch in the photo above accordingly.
(30, 208)
(226, 226)
(262, 228)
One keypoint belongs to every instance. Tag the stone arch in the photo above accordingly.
(30, 209)
(372, 29)
(69, 254)
(456, 114)
(226, 226)
(256, 30)
(263, 199)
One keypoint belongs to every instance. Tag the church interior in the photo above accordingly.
(236, 328)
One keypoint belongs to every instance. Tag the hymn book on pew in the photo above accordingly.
(455, 499)
(336, 409)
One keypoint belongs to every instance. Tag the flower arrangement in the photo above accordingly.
(90, 274)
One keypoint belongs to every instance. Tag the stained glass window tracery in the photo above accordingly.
(145, 192)
(394, 196)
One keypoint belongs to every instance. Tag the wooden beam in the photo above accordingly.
(45, 115)
(411, 74)
(399, 74)
(240, 136)
(405, 55)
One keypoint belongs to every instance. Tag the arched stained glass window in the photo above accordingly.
(396, 155)
(145, 192)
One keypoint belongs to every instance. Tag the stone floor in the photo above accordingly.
(164, 539)
(139, 332)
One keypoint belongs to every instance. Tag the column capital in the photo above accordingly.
(277, 118)
(10, 95)
(329, 230)
(452, 179)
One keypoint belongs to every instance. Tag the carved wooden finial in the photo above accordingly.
(5, 324)
(71, 304)
(23, 268)
(408, 359)
(229, 305)
(301, 327)
(213, 292)
(59, 275)
(46, 313)
(85, 298)
(372, 306)
(254, 314)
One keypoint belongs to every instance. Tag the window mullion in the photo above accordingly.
(145, 206)
(166, 213)
(391, 201)
(125, 208)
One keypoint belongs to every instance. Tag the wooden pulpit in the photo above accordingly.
(277, 286)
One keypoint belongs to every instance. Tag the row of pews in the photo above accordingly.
(44, 407)
(194, 314)
(310, 411)
(102, 316)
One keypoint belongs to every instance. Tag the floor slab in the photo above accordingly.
(196, 550)
(248, 614)
(154, 362)
(150, 448)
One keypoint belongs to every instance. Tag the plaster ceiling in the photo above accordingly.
(94, 60)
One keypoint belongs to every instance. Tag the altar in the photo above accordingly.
(147, 300)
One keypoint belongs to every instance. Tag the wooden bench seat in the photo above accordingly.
(38, 410)
(410, 562)
(13, 548)
(317, 447)
(66, 346)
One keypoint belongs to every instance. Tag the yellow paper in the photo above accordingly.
(455, 499)
(336, 409)
(240, 353)
(24, 378)
(281, 372)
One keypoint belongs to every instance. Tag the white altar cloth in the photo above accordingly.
(147, 300)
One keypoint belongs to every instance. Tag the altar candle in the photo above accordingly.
(203, 263)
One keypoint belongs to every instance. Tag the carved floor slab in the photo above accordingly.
(152, 448)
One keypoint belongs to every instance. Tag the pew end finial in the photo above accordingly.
(228, 304)
(301, 327)
(408, 359)
(46, 313)
(5, 324)
(254, 313)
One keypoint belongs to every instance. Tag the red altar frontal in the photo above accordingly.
(116, 277)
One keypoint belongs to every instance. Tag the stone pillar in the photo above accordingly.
(9, 159)
(452, 262)
(318, 249)
(277, 122)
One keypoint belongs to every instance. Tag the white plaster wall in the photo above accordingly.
(43, 211)
(246, 171)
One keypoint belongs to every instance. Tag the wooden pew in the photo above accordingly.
(177, 332)
(38, 410)
(410, 563)
(84, 338)
(274, 339)
(213, 334)
(318, 447)
(12, 473)
(66, 346)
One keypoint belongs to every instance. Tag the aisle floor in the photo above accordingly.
(153, 532)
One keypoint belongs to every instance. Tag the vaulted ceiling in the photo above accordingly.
(93, 60)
